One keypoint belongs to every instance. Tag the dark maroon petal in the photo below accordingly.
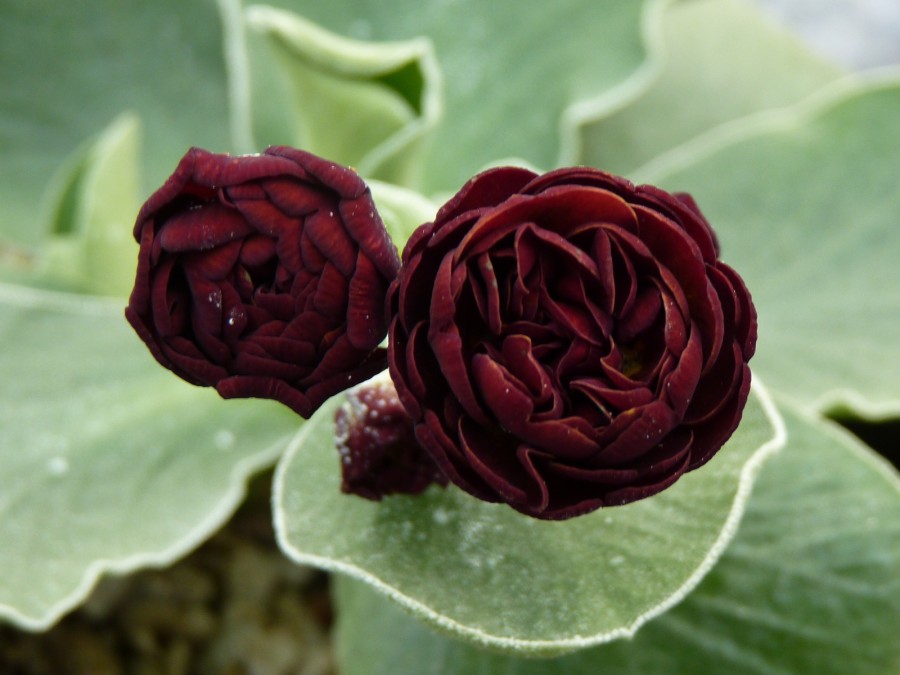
(188, 362)
(677, 388)
(641, 314)
(289, 255)
(486, 291)
(450, 458)
(583, 176)
(206, 318)
(713, 432)
(337, 361)
(519, 359)
(612, 399)
(265, 218)
(324, 387)
(140, 295)
(254, 386)
(343, 181)
(178, 183)
(675, 333)
(365, 306)
(405, 366)
(357, 216)
(147, 335)
(670, 245)
(493, 457)
(258, 361)
(417, 241)
(202, 229)
(488, 188)
(562, 210)
(324, 230)
(744, 311)
(646, 426)
(281, 349)
(512, 408)
(447, 348)
(168, 308)
(332, 291)
(289, 195)
(232, 195)
(716, 387)
(219, 171)
(682, 209)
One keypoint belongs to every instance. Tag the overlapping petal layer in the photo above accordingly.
(569, 341)
(263, 276)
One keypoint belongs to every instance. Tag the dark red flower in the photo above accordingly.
(378, 450)
(263, 276)
(568, 341)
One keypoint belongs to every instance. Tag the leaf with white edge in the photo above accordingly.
(510, 67)
(806, 207)
(493, 576)
(810, 584)
(363, 104)
(68, 68)
(720, 60)
(91, 248)
(109, 462)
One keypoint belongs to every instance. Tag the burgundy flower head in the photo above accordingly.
(263, 276)
(378, 450)
(568, 341)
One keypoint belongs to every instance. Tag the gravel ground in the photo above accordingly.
(236, 606)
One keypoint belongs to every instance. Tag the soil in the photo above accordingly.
(235, 606)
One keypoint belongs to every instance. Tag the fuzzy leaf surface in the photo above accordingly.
(491, 575)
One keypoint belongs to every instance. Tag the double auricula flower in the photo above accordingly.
(558, 342)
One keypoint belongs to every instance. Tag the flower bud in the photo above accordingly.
(379, 452)
(263, 276)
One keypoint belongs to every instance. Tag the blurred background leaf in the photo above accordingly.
(510, 67)
(91, 207)
(69, 69)
(109, 462)
(717, 60)
(362, 104)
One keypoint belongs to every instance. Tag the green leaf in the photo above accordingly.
(810, 584)
(510, 67)
(69, 68)
(366, 105)
(402, 210)
(109, 462)
(718, 60)
(806, 206)
(496, 577)
(91, 247)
